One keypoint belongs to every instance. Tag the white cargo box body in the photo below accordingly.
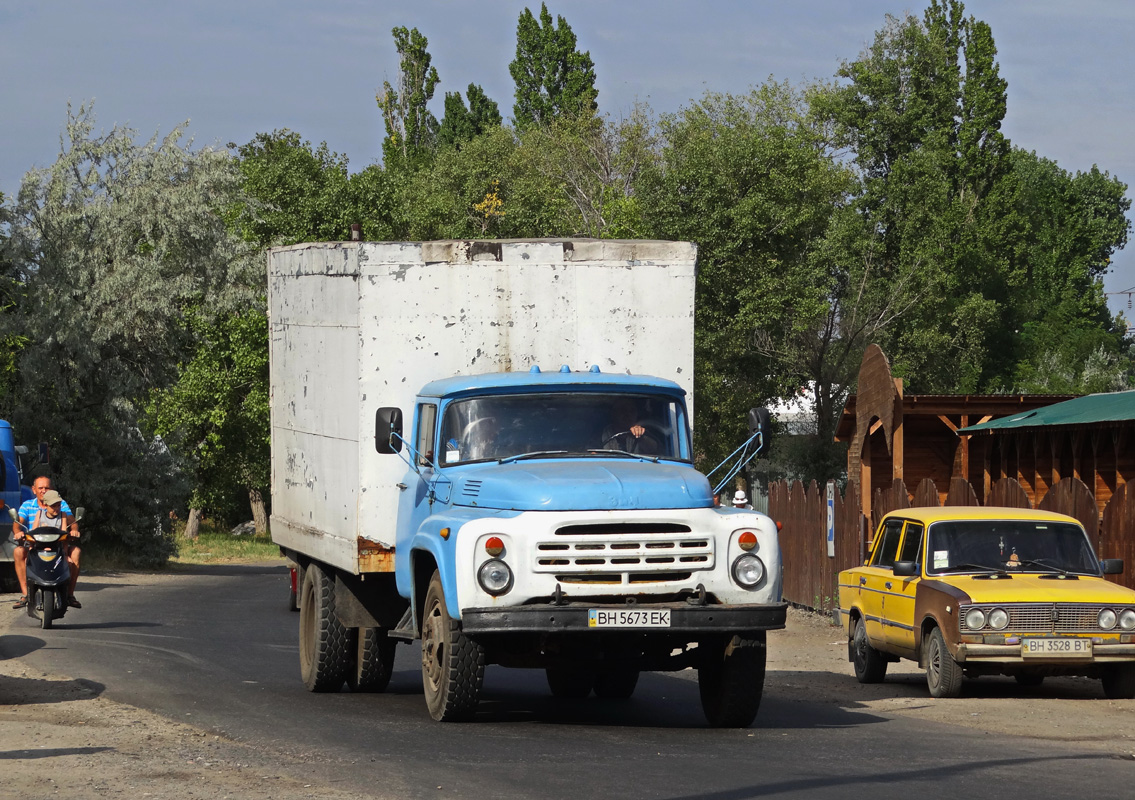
(355, 326)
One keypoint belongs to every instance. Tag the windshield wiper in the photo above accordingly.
(536, 454)
(978, 567)
(1052, 568)
(622, 454)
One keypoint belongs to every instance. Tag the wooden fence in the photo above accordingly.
(811, 574)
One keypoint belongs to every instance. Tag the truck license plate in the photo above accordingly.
(1072, 648)
(628, 618)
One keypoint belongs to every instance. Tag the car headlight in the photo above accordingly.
(748, 571)
(975, 619)
(1127, 619)
(1107, 619)
(495, 577)
(998, 619)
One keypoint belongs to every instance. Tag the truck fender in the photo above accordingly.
(426, 555)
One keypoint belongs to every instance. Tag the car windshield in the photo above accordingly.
(561, 424)
(1011, 546)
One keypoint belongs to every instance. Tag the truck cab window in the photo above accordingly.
(427, 424)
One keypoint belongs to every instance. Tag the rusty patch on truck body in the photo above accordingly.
(374, 557)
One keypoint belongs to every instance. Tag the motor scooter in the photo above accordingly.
(48, 570)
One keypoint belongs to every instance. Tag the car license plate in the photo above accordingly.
(628, 618)
(1071, 648)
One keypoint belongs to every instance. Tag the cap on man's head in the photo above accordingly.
(51, 497)
(740, 497)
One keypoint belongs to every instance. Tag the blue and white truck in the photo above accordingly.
(13, 493)
(485, 446)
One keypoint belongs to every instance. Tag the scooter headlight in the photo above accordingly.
(495, 577)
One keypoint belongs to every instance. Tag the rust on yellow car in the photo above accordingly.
(968, 591)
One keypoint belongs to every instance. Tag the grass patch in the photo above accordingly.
(215, 546)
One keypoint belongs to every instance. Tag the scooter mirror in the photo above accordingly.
(79, 513)
(12, 513)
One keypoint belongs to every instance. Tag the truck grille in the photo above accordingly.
(629, 553)
(1043, 617)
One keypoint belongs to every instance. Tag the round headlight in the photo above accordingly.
(975, 619)
(748, 571)
(1107, 619)
(998, 619)
(495, 577)
(1127, 619)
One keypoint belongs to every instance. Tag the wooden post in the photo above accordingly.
(896, 435)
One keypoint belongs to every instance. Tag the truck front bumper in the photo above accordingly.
(684, 618)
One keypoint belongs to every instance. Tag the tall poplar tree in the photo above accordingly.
(411, 130)
(552, 77)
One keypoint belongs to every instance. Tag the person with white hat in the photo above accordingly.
(741, 500)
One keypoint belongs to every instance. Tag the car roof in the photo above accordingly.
(939, 513)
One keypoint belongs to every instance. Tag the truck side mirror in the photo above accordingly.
(760, 420)
(388, 430)
(1112, 566)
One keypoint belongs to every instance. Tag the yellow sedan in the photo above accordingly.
(969, 591)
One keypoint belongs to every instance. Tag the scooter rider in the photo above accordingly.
(48, 509)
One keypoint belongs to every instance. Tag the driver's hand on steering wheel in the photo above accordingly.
(637, 431)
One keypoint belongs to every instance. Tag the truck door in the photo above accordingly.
(414, 501)
(898, 602)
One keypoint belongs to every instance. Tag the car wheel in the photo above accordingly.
(870, 665)
(1119, 682)
(453, 665)
(943, 674)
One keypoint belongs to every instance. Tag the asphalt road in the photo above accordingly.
(216, 648)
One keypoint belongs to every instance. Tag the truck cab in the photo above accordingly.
(561, 523)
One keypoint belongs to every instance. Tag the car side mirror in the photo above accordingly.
(388, 430)
(905, 569)
(1112, 566)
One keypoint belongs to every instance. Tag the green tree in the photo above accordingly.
(460, 123)
(216, 415)
(751, 180)
(114, 243)
(552, 77)
(411, 130)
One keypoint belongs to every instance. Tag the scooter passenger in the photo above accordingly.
(48, 509)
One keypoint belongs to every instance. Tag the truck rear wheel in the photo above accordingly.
(324, 641)
(573, 684)
(617, 684)
(453, 665)
(374, 661)
(731, 679)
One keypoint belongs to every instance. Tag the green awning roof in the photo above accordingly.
(1087, 410)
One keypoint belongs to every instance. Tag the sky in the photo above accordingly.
(235, 68)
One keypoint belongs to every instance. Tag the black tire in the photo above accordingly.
(731, 679)
(943, 674)
(1029, 679)
(1119, 682)
(453, 665)
(568, 683)
(324, 641)
(47, 616)
(616, 685)
(374, 661)
(870, 665)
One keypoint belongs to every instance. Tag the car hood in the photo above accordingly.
(582, 485)
(1032, 588)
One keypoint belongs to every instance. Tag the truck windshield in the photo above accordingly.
(1013, 546)
(564, 423)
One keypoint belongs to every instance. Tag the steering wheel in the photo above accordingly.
(651, 434)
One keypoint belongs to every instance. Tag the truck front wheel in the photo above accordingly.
(453, 665)
(324, 641)
(731, 679)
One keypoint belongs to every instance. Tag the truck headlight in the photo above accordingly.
(495, 577)
(748, 571)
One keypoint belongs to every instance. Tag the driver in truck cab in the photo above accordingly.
(626, 430)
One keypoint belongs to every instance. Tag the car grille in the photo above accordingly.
(1043, 617)
(629, 553)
